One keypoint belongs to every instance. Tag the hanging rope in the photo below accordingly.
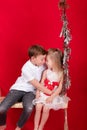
(65, 33)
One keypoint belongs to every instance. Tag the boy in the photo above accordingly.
(25, 86)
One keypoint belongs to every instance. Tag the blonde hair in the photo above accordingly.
(56, 56)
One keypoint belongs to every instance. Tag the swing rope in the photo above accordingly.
(65, 33)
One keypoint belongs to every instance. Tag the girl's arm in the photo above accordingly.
(57, 92)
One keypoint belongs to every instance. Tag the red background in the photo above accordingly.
(25, 22)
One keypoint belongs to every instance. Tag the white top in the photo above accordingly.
(29, 72)
(53, 76)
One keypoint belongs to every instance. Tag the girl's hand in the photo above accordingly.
(49, 99)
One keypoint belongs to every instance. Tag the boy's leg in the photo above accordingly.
(44, 118)
(27, 109)
(10, 99)
(3, 121)
(37, 116)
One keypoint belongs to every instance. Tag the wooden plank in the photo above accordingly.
(19, 105)
(16, 105)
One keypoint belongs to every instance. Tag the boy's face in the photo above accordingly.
(39, 60)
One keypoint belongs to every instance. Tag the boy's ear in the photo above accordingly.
(33, 57)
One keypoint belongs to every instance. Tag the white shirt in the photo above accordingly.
(53, 76)
(29, 72)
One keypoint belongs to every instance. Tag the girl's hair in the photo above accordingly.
(57, 56)
(36, 50)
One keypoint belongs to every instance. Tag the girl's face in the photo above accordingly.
(49, 62)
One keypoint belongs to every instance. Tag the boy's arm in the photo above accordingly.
(43, 77)
(42, 82)
(39, 86)
(37, 93)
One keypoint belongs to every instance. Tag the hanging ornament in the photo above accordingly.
(63, 4)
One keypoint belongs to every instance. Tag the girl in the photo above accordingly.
(52, 79)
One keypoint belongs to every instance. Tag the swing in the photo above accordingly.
(65, 33)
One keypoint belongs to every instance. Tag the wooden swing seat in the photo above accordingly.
(19, 104)
(16, 105)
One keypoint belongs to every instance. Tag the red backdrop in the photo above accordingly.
(25, 22)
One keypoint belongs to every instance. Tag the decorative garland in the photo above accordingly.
(65, 33)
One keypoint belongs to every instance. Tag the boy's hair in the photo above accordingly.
(36, 50)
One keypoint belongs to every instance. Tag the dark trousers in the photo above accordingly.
(13, 97)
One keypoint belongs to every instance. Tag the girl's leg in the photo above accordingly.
(18, 128)
(44, 118)
(27, 109)
(37, 116)
(2, 127)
